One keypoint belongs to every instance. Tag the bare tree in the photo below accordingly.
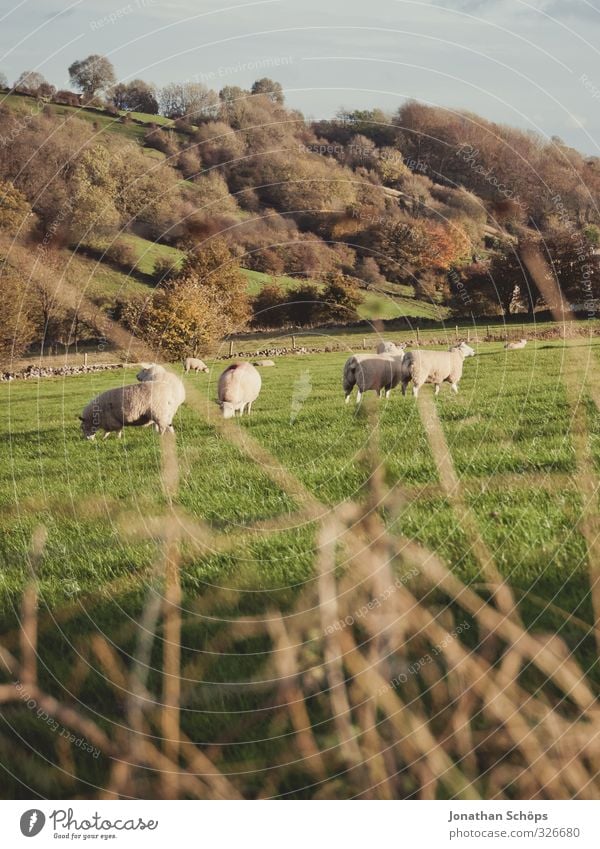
(189, 100)
(29, 82)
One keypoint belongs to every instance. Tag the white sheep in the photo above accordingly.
(154, 372)
(135, 405)
(515, 346)
(371, 371)
(239, 386)
(194, 364)
(264, 364)
(391, 347)
(434, 367)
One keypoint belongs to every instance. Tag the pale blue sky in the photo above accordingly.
(534, 64)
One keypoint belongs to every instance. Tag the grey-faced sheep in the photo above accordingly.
(434, 367)
(239, 386)
(380, 372)
(194, 364)
(135, 405)
(391, 347)
(515, 346)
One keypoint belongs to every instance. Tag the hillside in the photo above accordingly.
(423, 213)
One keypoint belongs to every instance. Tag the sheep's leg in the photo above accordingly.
(404, 388)
(387, 392)
(106, 435)
(358, 396)
(119, 433)
(415, 390)
(170, 428)
(347, 398)
(437, 388)
(454, 388)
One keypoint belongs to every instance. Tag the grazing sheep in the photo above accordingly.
(434, 367)
(371, 371)
(263, 363)
(135, 405)
(239, 387)
(193, 364)
(391, 348)
(515, 346)
(154, 372)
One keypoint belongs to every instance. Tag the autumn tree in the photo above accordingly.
(17, 329)
(403, 245)
(304, 304)
(92, 75)
(188, 313)
(14, 208)
(234, 106)
(368, 271)
(390, 167)
(136, 96)
(396, 243)
(188, 99)
(375, 124)
(269, 306)
(306, 183)
(216, 270)
(93, 207)
(500, 286)
(340, 298)
(574, 263)
(180, 319)
(272, 89)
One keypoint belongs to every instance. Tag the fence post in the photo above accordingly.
(456, 328)
(293, 343)
(418, 337)
(468, 334)
(231, 348)
(364, 344)
(488, 333)
(85, 360)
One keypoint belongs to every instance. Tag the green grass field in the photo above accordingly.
(148, 252)
(508, 433)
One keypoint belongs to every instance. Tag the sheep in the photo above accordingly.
(515, 346)
(194, 364)
(434, 367)
(263, 363)
(239, 386)
(371, 371)
(134, 405)
(390, 347)
(155, 372)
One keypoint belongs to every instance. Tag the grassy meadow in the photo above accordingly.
(508, 432)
